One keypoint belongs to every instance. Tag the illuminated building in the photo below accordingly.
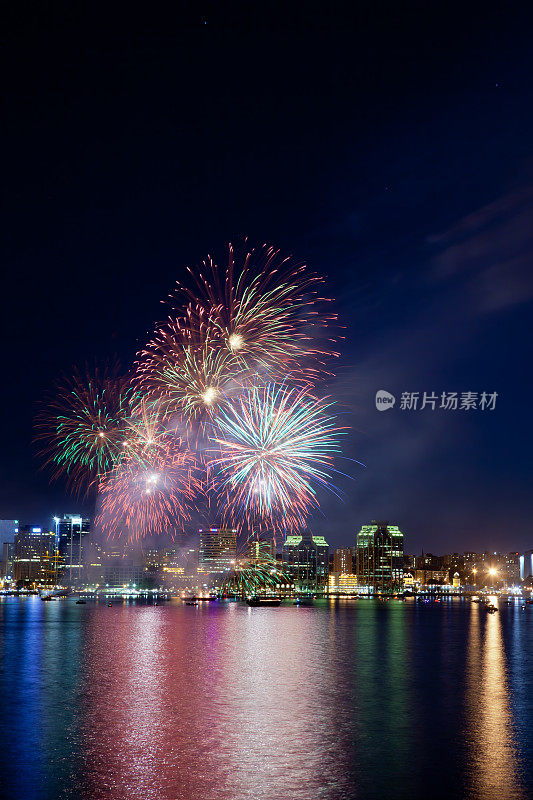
(408, 580)
(343, 560)
(306, 561)
(342, 583)
(70, 530)
(123, 574)
(511, 567)
(218, 549)
(379, 557)
(8, 529)
(34, 557)
(6, 566)
(456, 581)
(525, 561)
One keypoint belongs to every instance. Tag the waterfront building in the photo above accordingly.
(70, 531)
(342, 583)
(8, 529)
(6, 565)
(511, 568)
(306, 561)
(218, 549)
(35, 557)
(525, 561)
(409, 581)
(343, 558)
(123, 574)
(379, 557)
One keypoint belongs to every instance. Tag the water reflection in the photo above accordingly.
(346, 700)
(494, 764)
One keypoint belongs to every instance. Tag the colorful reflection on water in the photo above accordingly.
(346, 699)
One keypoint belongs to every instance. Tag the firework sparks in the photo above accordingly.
(256, 573)
(82, 426)
(275, 448)
(185, 365)
(267, 312)
(149, 495)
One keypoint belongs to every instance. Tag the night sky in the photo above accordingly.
(389, 147)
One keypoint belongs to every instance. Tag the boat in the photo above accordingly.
(263, 601)
(491, 609)
(81, 602)
(191, 603)
(109, 605)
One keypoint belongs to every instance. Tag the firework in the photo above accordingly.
(275, 448)
(82, 426)
(255, 572)
(267, 312)
(149, 495)
(185, 366)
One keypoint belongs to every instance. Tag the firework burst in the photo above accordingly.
(185, 366)
(149, 495)
(266, 312)
(275, 448)
(82, 426)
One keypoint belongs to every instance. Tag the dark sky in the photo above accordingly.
(388, 146)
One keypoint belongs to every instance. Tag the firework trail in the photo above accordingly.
(275, 447)
(267, 312)
(82, 426)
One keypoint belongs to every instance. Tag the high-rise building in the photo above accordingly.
(218, 549)
(379, 559)
(6, 566)
(8, 529)
(343, 558)
(525, 561)
(35, 557)
(70, 530)
(306, 561)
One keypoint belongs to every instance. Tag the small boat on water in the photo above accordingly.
(81, 602)
(263, 601)
(491, 609)
(191, 603)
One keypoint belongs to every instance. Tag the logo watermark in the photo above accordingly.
(384, 400)
(446, 401)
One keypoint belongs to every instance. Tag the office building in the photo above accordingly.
(70, 530)
(218, 549)
(379, 557)
(342, 583)
(306, 561)
(525, 562)
(8, 529)
(343, 560)
(35, 557)
(6, 565)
